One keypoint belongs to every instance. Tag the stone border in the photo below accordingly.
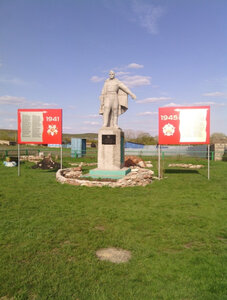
(137, 177)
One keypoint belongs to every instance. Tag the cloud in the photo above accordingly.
(134, 66)
(126, 77)
(12, 100)
(93, 116)
(154, 100)
(121, 73)
(147, 113)
(204, 103)
(24, 103)
(215, 94)
(72, 107)
(67, 128)
(210, 103)
(91, 123)
(136, 80)
(97, 79)
(39, 104)
(147, 15)
(172, 104)
(13, 81)
(10, 120)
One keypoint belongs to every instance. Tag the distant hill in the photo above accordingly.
(8, 135)
(11, 135)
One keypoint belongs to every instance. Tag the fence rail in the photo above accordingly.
(54, 151)
(142, 152)
(92, 153)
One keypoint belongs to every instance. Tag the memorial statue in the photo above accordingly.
(114, 100)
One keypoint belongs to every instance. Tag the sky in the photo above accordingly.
(58, 53)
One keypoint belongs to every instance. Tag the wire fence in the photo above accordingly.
(13, 152)
(92, 153)
(169, 159)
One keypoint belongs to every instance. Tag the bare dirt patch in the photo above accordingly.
(113, 255)
(100, 228)
(220, 238)
(188, 245)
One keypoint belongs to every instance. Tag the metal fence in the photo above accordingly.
(13, 152)
(147, 151)
(169, 153)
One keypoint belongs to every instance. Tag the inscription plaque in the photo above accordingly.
(109, 139)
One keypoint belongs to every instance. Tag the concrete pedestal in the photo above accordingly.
(110, 148)
(110, 154)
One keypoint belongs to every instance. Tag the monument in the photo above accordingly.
(114, 102)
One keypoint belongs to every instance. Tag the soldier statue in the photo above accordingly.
(114, 100)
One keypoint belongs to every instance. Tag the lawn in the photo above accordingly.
(175, 229)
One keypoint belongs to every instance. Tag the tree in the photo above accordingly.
(218, 138)
(139, 137)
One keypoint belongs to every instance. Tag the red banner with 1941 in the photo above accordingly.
(39, 126)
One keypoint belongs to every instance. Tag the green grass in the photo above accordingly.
(175, 229)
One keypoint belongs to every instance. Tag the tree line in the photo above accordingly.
(134, 136)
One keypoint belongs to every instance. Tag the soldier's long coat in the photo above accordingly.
(122, 98)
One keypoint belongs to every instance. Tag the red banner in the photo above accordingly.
(184, 125)
(39, 126)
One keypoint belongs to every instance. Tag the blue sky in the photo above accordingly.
(57, 54)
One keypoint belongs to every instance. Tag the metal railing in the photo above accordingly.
(92, 153)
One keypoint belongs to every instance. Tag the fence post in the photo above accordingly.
(212, 155)
(208, 150)
(61, 156)
(18, 156)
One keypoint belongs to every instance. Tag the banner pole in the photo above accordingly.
(61, 156)
(159, 161)
(208, 154)
(18, 157)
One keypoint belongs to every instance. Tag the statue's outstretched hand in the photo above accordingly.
(133, 96)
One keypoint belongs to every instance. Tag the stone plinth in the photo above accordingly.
(110, 154)
(110, 149)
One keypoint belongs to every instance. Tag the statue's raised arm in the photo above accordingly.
(114, 100)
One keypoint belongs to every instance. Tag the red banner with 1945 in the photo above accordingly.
(184, 125)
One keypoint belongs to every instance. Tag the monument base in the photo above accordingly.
(110, 149)
(110, 154)
(111, 174)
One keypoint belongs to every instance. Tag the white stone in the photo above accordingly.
(141, 178)
(149, 165)
(134, 170)
(141, 164)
